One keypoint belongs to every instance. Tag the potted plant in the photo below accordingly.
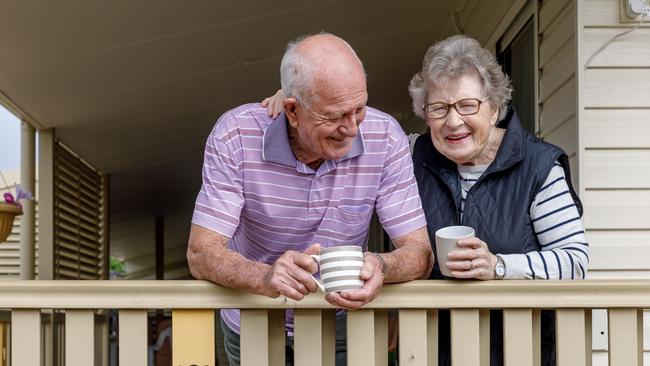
(10, 208)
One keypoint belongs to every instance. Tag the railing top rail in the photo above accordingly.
(416, 294)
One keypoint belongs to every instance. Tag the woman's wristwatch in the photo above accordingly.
(499, 269)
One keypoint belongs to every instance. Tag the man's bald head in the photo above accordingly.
(317, 61)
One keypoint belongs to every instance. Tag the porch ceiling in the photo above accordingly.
(135, 87)
(133, 84)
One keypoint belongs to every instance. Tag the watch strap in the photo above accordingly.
(382, 262)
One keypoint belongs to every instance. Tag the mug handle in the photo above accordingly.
(316, 259)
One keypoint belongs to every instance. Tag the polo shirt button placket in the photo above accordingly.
(312, 212)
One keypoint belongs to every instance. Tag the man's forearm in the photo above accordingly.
(411, 260)
(210, 260)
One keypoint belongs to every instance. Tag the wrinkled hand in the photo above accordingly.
(289, 275)
(354, 299)
(473, 260)
(274, 104)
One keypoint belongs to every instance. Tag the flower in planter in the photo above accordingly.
(9, 198)
(21, 194)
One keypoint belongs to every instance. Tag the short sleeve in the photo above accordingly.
(220, 200)
(398, 203)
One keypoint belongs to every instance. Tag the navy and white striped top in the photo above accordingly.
(557, 224)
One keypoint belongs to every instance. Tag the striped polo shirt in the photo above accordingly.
(255, 192)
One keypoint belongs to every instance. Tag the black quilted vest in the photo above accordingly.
(496, 207)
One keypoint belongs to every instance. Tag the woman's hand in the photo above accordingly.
(274, 104)
(473, 260)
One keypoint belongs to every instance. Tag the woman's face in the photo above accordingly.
(463, 139)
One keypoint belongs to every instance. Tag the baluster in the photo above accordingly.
(329, 337)
(518, 337)
(413, 337)
(537, 337)
(277, 337)
(465, 337)
(2, 344)
(310, 332)
(432, 337)
(588, 338)
(79, 337)
(361, 337)
(133, 337)
(26, 337)
(381, 337)
(624, 341)
(484, 327)
(262, 337)
(570, 337)
(193, 337)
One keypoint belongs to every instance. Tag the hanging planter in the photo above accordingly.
(8, 212)
(10, 208)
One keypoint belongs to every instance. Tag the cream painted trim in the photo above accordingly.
(580, 78)
(416, 294)
(506, 22)
(571, 336)
(46, 205)
(25, 337)
(28, 219)
(528, 11)
(12, 107)
(536, 74)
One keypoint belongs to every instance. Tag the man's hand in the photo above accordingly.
(289, 275)
(354, 299)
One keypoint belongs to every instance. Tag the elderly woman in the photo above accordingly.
(478, 167)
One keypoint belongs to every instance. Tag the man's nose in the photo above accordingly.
(350, 126)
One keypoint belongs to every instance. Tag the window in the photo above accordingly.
(517, 58)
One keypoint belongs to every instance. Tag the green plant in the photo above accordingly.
(116, 266)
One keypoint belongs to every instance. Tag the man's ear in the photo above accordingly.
(290, 106)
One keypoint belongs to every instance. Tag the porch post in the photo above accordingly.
(46, 205)
(46, 232)
(28, 218)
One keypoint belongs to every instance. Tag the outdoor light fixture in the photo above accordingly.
(635, 8)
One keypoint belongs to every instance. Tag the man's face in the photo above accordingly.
(326, 127)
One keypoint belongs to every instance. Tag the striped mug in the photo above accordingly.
(339, 268)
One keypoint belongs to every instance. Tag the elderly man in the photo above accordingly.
(275, 191)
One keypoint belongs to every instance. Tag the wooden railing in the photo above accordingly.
(262, 340)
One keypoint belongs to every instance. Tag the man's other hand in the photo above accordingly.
(290, 274)
(354, 299)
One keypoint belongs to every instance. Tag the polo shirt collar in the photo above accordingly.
(276, 147)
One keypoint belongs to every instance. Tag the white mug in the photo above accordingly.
(446, 241)
(339, 268)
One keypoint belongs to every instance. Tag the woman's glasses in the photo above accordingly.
(464, 107)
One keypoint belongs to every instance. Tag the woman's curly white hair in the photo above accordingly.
(454, 57)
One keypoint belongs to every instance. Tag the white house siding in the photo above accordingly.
(10, 249)
(614, 151)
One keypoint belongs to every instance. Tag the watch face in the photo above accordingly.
(500, 270)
